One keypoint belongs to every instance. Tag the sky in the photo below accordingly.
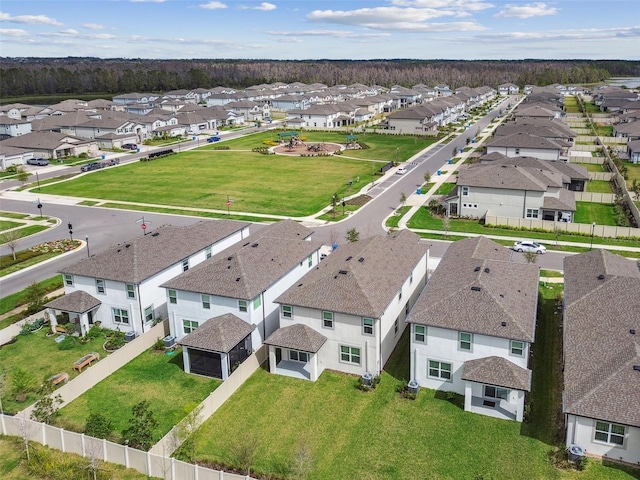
(312, 29)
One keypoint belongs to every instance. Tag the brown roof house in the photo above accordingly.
(348, 312)
(473, 326)
(242, 281)
(120, 287)
(602, 355)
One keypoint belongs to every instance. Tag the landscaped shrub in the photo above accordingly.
(115, 341)
(98, 426)
(69, 343)
(95, 332)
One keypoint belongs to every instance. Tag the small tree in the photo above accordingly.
(34, 297)
(556, 234)
(446, 225)
(22, 175)
(47, 408)
(98, 426)
(245, 452)
(303, 461)
(141, 427)
(353, 235)
(530, 257)
(635, 188)
(186, 433)
(427, 176)
(11, 238)
(22, 382)
(403, 198)
(334, 204)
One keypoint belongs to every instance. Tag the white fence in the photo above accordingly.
(147, 463)
(606, 176)
(106, 366)
(585, 148)
(171, 441)
(593, 160)
(7, 333)
(582, 228)
(594, 197)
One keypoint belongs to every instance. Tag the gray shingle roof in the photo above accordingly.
(475, 289)
(360, 278)
(602, 307)
(248, 268)
(524, 140)
(497, 371)
(76, 302)
(298, 337)
(218, 334)
(509, 177)
(565, 201)
(146, 255)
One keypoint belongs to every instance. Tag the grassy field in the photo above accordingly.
(341, 432)
(571, 105)
(633, 172)
(445, 189)
(151, 376)
(599, 186)
(592, 167)
(588, 212)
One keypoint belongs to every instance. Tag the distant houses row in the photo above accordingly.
(472, 323)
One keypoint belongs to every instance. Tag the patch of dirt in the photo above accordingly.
(304, 149)
(360, 200)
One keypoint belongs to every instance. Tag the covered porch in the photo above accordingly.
(81, 309)
(293, 352)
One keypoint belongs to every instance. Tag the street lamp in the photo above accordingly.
(593, 230)
(86, 239)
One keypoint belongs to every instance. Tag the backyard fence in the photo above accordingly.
(585, 148)
(13, 330)
(606, 176)
(591, 160)
(580, 228)
(147, 463)
(105, 367)
(595, 197)
(171, 441)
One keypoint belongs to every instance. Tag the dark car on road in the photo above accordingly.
(213, 139)
(41, 162)
(129, 146)
(91, 166)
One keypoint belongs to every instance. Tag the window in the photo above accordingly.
(257, 302)
(297, 356)
(411, 278)
(131, 290)
(68, 279)
(189, 326)
(532, 213)
(120, 315)
(367, 326)
(517, 151)
(406, 310)
(610, 433)
(100, 288)
(287, 311)
(173, 297)
(148, 314)
(310, 260)
(517, 348)
(496, 392)
(206, 301)
(465, 340)
(350, 354)
(242, 305)
(185, 264)
(207, 252)
(327, 319)
(420, 333)
(395, 327)
(465, 191)
(440, 370)
(399, 294)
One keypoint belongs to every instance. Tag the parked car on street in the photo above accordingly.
(401, 171)
(129, 146)
(213, 139)
(529, 246)
(91, 166)
(41, 162)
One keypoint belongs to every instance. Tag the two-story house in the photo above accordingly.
(473, 326)
(348, 313)
(242, 281)
(120, 287)
(601, 344)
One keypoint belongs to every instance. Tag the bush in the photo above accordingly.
(69, 343)
(116, 340)
(95, 332)
(98, 426)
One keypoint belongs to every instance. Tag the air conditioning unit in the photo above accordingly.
(169, 341)
(130, 335)
(413, 386)
(367, 378)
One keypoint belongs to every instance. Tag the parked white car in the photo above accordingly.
(529, 246)
(401, 171)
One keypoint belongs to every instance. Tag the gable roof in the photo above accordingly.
(524, 140)
(497, 371)
(218, 334)
(146, 255)
(360, 278)
(602, 309)
(477, 289)
(75, 302)
(298, 337)
(248, 268)
(510, 177)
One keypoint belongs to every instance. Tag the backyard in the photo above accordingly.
(600, 213)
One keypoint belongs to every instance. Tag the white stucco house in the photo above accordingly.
(601, 346)
(348, 313)
(473, 326)
(243, 281)
(120, 287)
(523, 144)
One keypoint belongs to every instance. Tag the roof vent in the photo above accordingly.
(504, 324)
(636, 368)
(486, 270)
(244, 245)
(119, 250)
(127, 245)
(155, 234)
(601, 277)
(299, 284)
(632, 331)
(477, 269)
(342, 272)
(476, 289)
(254, 245)
(349, 258)
(237, 279)
(229, 258)
(361, 259)
(502, 295)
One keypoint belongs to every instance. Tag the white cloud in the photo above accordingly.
(537, 9)
(592, 34)
(212, 5)
(326, 33)
(147, 1)
(472, 5)
(265, 6)
(13, 32)
(30, 19)
(93, 26)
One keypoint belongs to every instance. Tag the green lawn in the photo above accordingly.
(14, 300)
(392, 221)
(445, 188)
(571, 105)
(592, 167)
(6, 225)
(588, 212)
(152, 376)
(275, 184)
(599, 186)
(42, 357)
(633, 173)
(604, 130)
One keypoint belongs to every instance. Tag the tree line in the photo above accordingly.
(79, 75)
